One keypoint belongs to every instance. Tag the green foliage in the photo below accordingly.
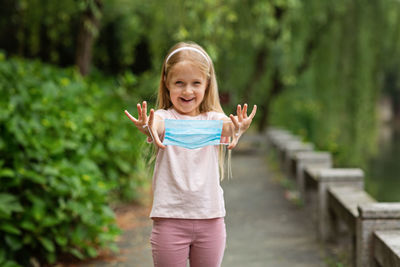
(65, 148)
(123, 29)
(40, 28)
(323, 50)
(333, 101)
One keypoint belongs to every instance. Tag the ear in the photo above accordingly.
(165, 84)
(208, 84)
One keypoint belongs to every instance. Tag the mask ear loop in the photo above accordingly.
(147, 126)
(238, 132)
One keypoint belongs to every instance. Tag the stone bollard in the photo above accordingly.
(290, 149)
(272, 132)
(312, 159)
(333, 177)
(280, 143)
(372, 217)
(275, 137)
(277, 140)
(387, 248)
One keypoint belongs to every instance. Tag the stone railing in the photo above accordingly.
(337, 198)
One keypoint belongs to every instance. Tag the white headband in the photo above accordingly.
(187, 48)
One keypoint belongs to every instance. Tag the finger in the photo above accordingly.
(237, 127)
(131, 117)
(234, 121)
(245, 111)
(144, 111)
(233, 143)
(236, 124)
(139, 109)
(154, 133)
(239, 113)
(157, 140)
(253, 112)
(151, 117)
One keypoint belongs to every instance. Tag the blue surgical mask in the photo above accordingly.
(192, 133)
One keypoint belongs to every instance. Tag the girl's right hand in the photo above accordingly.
(145, 123)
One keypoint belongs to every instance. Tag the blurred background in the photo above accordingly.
(325, 70)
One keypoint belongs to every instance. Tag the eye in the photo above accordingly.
(197, 82)
(178, 82)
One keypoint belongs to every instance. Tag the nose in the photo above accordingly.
(188, 89)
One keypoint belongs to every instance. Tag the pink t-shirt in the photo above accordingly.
(186, 181)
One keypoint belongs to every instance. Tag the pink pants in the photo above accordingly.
(174, 241)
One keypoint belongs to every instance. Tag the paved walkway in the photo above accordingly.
(263, 228)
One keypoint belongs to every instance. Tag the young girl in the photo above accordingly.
(188, 206)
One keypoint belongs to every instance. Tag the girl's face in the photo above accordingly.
(186, 84)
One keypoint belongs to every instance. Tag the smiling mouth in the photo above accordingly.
(186, 100)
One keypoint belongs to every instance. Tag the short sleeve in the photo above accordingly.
(164, 114)
(217, 116)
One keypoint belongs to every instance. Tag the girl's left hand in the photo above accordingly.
(241, 123)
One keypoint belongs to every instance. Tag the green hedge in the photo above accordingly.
(65, 148)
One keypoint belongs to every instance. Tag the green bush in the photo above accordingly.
(65, 147)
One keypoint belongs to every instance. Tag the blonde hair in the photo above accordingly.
(211, 97)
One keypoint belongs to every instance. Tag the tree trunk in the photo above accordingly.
(259, 70)
(276, 89)
(88, 29)
(277, 85)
